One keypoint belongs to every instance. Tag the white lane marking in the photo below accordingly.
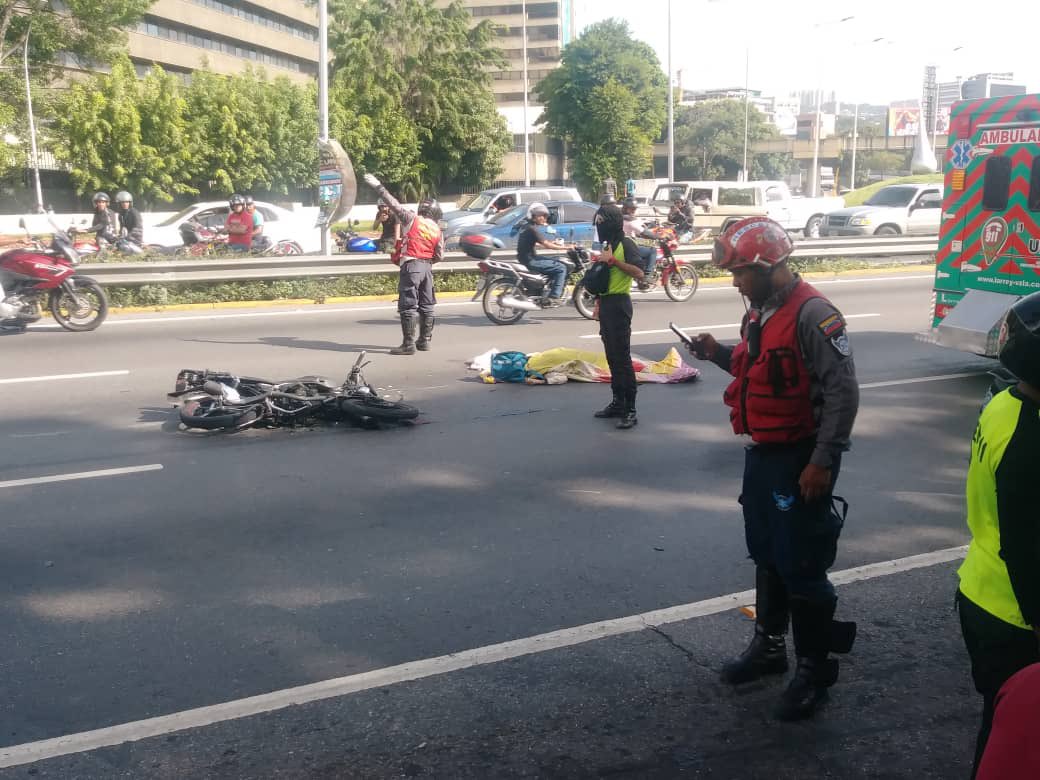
(718, 327)
(53, 377)
(282, 313)
(31, 752)
(81, 475)
(347, 308)
(39, 435)
(918, 380)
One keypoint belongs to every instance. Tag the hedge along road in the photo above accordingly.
(273, 559)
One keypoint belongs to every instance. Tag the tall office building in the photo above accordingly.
(983, 85)
(279, 35)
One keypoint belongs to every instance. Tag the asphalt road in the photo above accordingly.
(270, 559)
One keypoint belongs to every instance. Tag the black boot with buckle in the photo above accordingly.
(425, 332)
(767, 653)
(816, 634)
(409, 325)
(628, 415)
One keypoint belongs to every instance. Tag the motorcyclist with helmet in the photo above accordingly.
(131, 225)
(681, 215)
(260, 242)
(421, 245)
(999, 594)
(386, 222)
(531, 238)
(636, 229)
(795, 394)
(239, 225)
(105, 223)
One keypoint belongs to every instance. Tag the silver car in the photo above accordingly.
(899, 209)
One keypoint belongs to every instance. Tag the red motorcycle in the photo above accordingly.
(36, 277)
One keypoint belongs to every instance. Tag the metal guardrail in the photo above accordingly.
(318, 266)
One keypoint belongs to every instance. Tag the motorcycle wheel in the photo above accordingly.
(584, 301)
(363, 408)
(681, 283)
(80, 312)
(284, 248)
(209, 414)
(495, 311)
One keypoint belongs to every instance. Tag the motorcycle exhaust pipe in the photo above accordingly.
(519, 303)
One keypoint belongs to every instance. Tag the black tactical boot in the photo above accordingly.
(767, 653)
(425, 332)
(409, 324)
(816, 634)
(615, 408)
(628, 416)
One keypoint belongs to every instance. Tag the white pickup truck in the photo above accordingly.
(732, 200)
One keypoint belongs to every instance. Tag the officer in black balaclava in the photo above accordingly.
(615, 311)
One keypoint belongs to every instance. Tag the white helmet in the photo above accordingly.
(535, 209)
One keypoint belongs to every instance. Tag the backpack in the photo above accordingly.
(509, 367)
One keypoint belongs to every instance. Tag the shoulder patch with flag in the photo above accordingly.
(832, 325)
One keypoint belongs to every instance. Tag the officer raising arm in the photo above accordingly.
(422, 245)
(795, 394)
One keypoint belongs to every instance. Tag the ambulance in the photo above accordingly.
(989, 238)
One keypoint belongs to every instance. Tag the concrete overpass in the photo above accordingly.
(831, 149)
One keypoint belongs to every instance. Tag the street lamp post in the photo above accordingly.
(32, 127)
(671, 101)
(855, 143)
(527, 135)
(815, 173)
(323, 92)
(747, 105)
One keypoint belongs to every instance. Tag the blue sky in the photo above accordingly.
(788, 53)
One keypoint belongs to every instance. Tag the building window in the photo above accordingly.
(262, 17)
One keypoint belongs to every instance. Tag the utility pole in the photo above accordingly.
(671, 101)
(747, 106)
(527, 134)
(323, 92)
(34, 153)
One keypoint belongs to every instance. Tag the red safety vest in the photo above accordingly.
(419, 243)
(769, 398)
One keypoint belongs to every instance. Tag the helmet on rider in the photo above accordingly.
(628, 206)
(757, 242)
(431, 209)
(537, 210)
(1019, 340)
(99, 197)
(124, 197)
(610, 223)
(236, 200)
(249, 200)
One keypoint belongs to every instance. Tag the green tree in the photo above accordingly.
(166, 164)
(410, 85)
(602, 72)
(87, 30)
(291, 114)
(711, 134)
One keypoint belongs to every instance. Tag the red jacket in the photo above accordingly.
(769, 399)
(421, 240)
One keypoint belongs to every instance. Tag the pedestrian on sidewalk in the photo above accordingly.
(999, 595)
(615, 312)
(795, 394)
(421, 246)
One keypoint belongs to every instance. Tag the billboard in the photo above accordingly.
(905, 121)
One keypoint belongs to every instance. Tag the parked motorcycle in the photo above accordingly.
(200, 240)
(349, 241)
(92, 249)
(221, 401)
(35, 277)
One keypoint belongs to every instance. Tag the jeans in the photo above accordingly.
(554, 269)
(649, 256)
